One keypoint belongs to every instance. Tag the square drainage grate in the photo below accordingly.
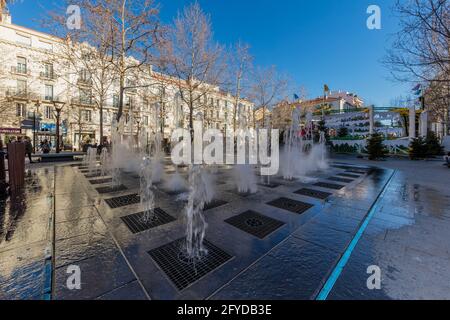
(313, 193)
(357, 171)
(137, 223)
(329, 185)
(291, 205)
(271, 185)
(123, 201)
(93, 175)
(175, 193)
(109, 189)
(214, 204)
(349, 175)
(337, 179)
(242, 194)
(183, 272)
(101, 181)
(255, 223)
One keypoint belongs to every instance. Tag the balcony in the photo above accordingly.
(82, 101)
(84, 81)
(48, 75)
(50, 98)
(21, 70)
(21, 94)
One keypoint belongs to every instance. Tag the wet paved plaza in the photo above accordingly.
(282, 243)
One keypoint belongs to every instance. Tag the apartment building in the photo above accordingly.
(36, 82)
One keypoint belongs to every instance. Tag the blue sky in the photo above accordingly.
(314, 41)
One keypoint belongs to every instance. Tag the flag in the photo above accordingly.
(296, 97)
(417, 87)
(418, 92)
(326, 89)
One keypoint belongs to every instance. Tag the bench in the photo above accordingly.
(58, 157)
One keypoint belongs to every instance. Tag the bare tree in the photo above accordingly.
(421, 50)
(136, 32)
(268, 89)
(87, 54)
(240, 66)
(196, 62)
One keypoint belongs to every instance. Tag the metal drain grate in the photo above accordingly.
(123, 201)
(337, 179)
(214, 204)
(271, 185)
(291, 205)
(137, 223)
(109, 189)
(183, 272)
(357, 171)
(313, 193)
(93, 175)
(329, 185)
(175, 193)
(242, 194)
(348, 175)
(255, 223)
(101, 181)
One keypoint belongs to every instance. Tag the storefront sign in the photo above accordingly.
(10, 130)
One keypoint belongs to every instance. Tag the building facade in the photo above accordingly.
(36, 81)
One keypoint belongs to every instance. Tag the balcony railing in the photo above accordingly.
(48, 75)
(51, 98)
(21, 94)
(82, 101)
(23, 70)
(84, 81)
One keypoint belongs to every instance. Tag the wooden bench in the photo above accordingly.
(58, 157)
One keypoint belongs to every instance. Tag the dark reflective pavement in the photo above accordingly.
(407, 238)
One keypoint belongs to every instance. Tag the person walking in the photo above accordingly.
(28, 148)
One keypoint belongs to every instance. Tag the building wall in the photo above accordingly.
(82, 118)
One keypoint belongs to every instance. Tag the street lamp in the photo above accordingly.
(58, 108)
(37, 105)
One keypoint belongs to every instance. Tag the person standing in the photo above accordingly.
(28, 148)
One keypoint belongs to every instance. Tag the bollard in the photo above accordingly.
(16, 165)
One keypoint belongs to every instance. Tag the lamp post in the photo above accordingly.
(37, 105)
(58, 108)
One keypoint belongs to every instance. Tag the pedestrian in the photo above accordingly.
(28, 148)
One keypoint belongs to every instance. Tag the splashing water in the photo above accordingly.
(92, 159)
(200, 194)
(146, 192)
(116, 157)
(105, 162)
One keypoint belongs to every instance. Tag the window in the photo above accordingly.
(115, 101)
(21, 65)
(145, 120)
(48, 93)
(48, 112)
(105, 116)
(21, 87)
(85, 96)
(130, 102)
(48, 70)
(85, 76)
(21, 110)
(86, 115)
